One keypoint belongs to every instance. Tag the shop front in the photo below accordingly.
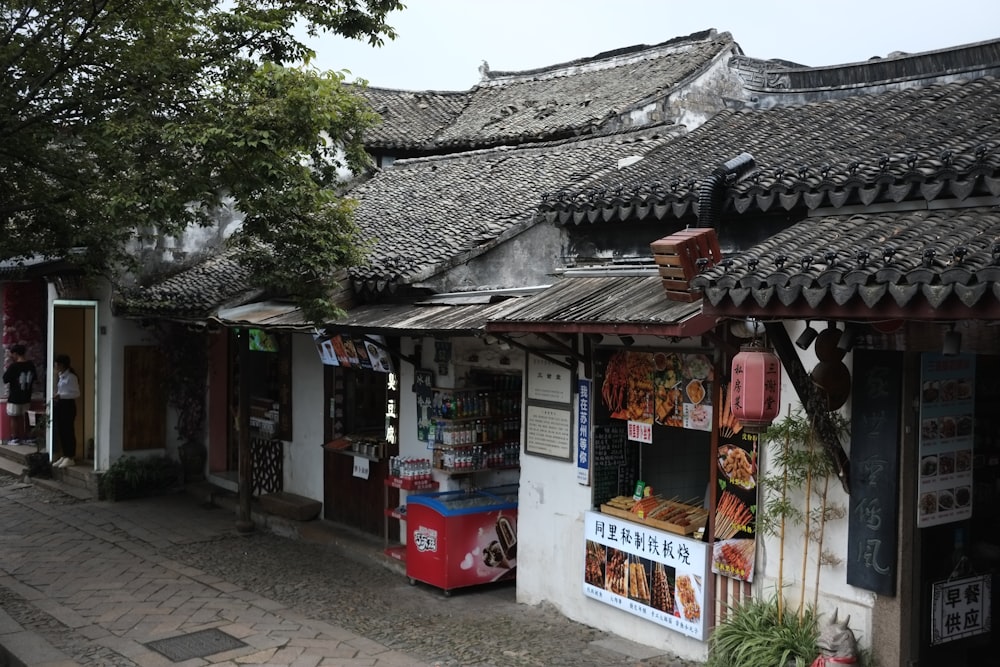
(360, 426)
(415, 400)
(942, 462)
(621, 464)
(674, 479)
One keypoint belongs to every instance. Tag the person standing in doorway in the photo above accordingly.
(19, 378)
(64, 411)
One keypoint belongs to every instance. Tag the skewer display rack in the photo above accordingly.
(670, 515)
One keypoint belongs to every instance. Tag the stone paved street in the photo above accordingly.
(93, 583)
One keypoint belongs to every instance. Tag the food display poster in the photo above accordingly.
(947, 412)
(658, 388)
(367, 353)
(656, 575)
(735, 546)
(961, 608)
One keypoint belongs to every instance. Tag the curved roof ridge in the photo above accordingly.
(604, 60)
(625, 135)
(778, 76)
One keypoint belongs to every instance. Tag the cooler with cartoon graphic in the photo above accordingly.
(456, 539)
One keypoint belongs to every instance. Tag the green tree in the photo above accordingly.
(120, 119)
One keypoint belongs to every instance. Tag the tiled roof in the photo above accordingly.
(923, 143)
(410, 119)
(921, 264)
(193, 293)
(784, 78)
(425, 215)
(579, 97)
(604, 304)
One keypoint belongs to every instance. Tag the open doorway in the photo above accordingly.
(73, 332)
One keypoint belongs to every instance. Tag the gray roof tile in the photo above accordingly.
(892, 264)
(567, 101)
(192, 293)
(423, 215)
(584, 96)
(410, 119)
(932, 142)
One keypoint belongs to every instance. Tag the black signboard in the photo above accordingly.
(614, 462)
(874, 511)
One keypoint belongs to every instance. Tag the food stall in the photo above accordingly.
(674, 478)
(462, 538)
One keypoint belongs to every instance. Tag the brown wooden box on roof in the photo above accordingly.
(677, 257)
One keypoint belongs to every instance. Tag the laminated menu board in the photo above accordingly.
(947, 418)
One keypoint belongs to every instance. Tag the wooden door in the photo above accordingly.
(144, 413)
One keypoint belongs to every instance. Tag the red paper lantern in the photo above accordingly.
(755, 394)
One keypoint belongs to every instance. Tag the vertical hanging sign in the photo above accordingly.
(947, 416)
(873, 518)
(583, 432)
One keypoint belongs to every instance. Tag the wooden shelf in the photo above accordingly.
(472, 471)
(412, 484)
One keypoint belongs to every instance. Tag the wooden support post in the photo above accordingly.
(812, 401)
(244, 519)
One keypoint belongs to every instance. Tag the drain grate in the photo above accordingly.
(195, 645)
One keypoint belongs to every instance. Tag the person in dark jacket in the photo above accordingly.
(20, 380)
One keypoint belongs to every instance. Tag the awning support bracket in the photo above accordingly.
(530, 350)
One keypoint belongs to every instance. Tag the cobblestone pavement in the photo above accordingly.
(97, 581)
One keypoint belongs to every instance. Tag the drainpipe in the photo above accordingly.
(710, 191)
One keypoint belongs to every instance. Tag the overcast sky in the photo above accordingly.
(441, 43)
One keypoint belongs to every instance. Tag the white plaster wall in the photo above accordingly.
(551, 552)
(303, 456)
(834, 591)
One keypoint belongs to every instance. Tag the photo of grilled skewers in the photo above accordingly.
(638, 579)
(731, 517)
(616, 573)
(594, 569)
(663, 592)
(734, 558)
(687, 597)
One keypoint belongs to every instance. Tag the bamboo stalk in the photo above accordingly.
(808, 518)
(822, 529)
(781, 539)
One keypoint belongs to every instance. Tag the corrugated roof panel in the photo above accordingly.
(622, 304)
(391, 319)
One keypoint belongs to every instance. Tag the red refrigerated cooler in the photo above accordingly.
(462, 538)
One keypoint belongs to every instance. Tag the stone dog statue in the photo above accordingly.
(837, 644)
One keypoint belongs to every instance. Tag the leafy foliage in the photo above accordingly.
(121, 120)
(754, 636)
(130, 477)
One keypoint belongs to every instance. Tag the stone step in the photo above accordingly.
(79, 481)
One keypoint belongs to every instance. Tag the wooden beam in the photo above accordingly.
(812, 401)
